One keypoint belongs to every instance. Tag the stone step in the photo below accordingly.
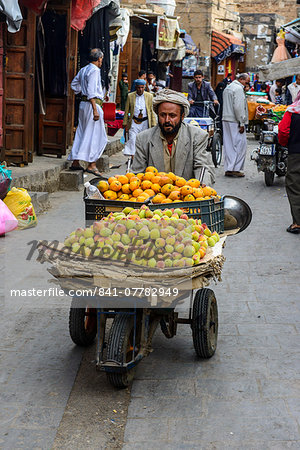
(70, 180)
(40, 201)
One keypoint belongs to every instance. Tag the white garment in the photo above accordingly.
(90, 138)
(136, 128)
(294, 88)
(235, 147)
(235, 106)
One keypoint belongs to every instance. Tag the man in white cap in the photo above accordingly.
(172, 145)
(138, 115)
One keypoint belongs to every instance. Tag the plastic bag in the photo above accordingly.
(5, 180)
(19, 202)
(8, 222)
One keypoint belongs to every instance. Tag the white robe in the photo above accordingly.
(90, 138)
(136, 128)
(235, 147)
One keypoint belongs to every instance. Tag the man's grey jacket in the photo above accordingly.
(206, 91)
(190, 155)
(235, 107)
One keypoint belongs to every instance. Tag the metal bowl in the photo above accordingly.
(237, 213)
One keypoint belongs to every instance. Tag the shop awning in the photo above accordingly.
(37, 6)
(190, 45)
(223, 45)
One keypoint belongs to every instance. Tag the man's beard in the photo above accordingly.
(174, 128)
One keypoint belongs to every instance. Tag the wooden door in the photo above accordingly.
(18, 105)
(125, 64)
(54, 127)
(136, 53)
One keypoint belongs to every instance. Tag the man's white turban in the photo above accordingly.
(167, 95)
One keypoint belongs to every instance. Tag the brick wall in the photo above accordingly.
(286, 8)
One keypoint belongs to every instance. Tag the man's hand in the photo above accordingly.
(191, 102)
(125, 127)
(241, 129)
(106, 98)
(96, 116)
(216, 102)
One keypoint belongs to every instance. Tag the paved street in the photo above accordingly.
(245, 397)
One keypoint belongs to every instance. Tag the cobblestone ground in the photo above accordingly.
(247, 395)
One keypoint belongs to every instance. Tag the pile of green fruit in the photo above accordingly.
(155, 239)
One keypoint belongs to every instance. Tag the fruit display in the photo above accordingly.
(155, 239)
(161, 186)
(279, 108)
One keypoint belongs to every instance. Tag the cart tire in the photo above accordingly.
(205, 323)
(82, 328)
(119, 343)
(269, 178)
(216, 149)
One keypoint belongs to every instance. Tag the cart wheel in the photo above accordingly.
(120, 348)
(205, 323)
(269, 178)
(83, 326)
(216, 149)
(257, 131)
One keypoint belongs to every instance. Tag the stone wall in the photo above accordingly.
(259, 31)
(286, 8)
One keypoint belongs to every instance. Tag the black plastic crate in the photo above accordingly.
(209, 211)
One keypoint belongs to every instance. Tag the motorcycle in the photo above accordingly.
(270, 156)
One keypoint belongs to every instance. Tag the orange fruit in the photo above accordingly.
(193, 182)
(202, 251)
(156, 187)
(155, 179)
(208, 191)
(189, 198)
(111, 179)
(129, 175)
(148, 176)
(167, 200)
(134, 183)
(115, 186)
(119, 194)
(167, 189)
(180, 181)
(158, 198)
(146, 185)
(197, 192)
(124, 197)
(103, 186)
(165, 180)
(151, 169)
(110, 195)
(126, 188)
(172, 176)
(140, 176)
(123, 179)
(185, 190)
(175, 195)
(132, 199)
(177, 201)
(161, 174)
(141, 198)
(137, 192)
(150, 192)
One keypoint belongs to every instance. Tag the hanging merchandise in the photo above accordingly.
(8, 222)
(81, 12)
(5, 180)
(280, 53)
(19, 202)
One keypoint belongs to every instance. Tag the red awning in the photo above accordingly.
(222, 45)
(82, 10)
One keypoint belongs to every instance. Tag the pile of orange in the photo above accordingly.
(163, 187)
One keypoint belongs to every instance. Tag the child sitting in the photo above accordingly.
(278, 97)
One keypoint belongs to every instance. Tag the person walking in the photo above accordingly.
(292, 90)
(139, 115)
(123, 85)
(289, 136)
(235, 119)
(90, 138)
(141, 76)
(199, 91)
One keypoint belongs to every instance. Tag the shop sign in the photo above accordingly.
(167, 33)
(189, 66)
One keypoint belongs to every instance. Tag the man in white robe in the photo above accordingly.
(139, 115)
(90, 138)
(235, 119)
